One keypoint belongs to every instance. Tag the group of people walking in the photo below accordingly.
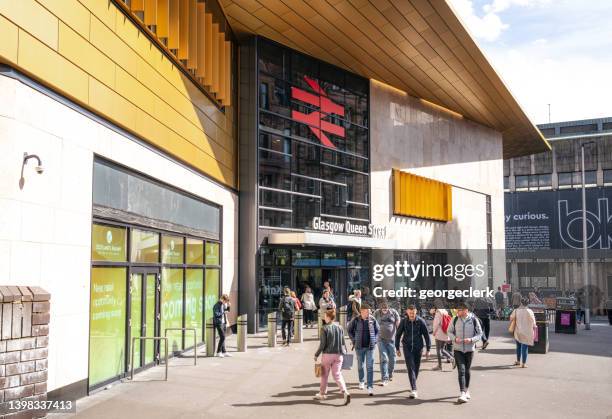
(409, 336)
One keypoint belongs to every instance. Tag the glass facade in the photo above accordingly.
(299, 268)
(313, 141)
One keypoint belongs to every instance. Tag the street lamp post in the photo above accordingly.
(585, 269)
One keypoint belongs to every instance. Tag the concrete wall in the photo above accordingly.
(45, 228)
(409, 135)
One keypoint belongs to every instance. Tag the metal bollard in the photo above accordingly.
(298, 323)
(272, 329)
(320, 322)
(210, 339)
(342, 318)
(242, 333)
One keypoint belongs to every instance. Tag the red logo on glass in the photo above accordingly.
(315, 119)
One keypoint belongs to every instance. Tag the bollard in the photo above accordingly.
(342, 318)
(320, 322)
(272, 329)
(210, 339)
(298, 323)
(242, 333)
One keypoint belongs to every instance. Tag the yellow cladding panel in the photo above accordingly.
(163, 7)
(85, 55)
(173, 29)
(150, 12)
(420, 197)
(183, 49)
(70, 12)
(44, 63)
(215, 58)
(9, 36)
(104, 10)
(192, 60)
(132, 89)
(111, 45)
(209, 50)
(112, 105)
(32, 17)
(137, 5)
(201, 17)
(221, 65)
(228, 71)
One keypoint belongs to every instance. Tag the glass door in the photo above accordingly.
(144, 315)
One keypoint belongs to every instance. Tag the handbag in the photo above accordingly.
(318, 369)
(347, 359)
(512, 326)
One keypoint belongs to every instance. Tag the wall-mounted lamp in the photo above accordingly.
(39, 167)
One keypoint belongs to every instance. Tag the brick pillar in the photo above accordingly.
(24, 337)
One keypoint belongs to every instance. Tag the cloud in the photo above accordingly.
(488, 27)
(558, 53)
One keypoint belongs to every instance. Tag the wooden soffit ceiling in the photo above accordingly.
(419, 46)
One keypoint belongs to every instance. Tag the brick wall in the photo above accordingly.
(24, 338)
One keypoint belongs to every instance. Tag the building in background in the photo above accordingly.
(544, 210)
(155, 154)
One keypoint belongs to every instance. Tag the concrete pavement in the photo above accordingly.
(574, 380)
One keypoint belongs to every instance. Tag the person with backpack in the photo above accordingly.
(333, 348)
(388, 320)
(363, 332)
(287, 310)
(220, 322)
(441, 322)
(411, 333)
(464, 331)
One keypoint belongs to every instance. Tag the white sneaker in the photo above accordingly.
(384, 383)
(220, 355)
(347, 398)
(467, 395)
(320, 396)
(370, 391)
(227, 354)
(361, 386)
(462, 398)
(414, 394)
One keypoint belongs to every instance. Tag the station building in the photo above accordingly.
(155, 154)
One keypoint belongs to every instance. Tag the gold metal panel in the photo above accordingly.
(209, 50)
(201, 18)
(173, 22)
(183, 49)
(215, 58)
(163, 21)
(150, 12)
(192, 61)
(221, 65)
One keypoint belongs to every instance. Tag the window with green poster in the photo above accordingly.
(172, 306)
(107, 323)
(194, 304)
(211, 295)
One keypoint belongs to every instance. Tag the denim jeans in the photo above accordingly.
(386, 350)
(521, 352)
(366, 355)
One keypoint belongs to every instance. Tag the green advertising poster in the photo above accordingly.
(212, 253)
(107, 324)
(194, 304)
(172, 250)
(108, 243)
(211, 295)
(172, 307)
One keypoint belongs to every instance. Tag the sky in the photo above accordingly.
(556, 52)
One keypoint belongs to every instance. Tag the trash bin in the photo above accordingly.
(541, 341)
(565, 316)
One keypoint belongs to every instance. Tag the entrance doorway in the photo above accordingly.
(144, 315)
(316, 277)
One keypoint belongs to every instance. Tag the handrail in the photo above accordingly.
(183, 329)
(165, 339)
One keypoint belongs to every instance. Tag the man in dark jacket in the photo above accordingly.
(363, 332)
(287, 309)
(411, 333)
(220, 323)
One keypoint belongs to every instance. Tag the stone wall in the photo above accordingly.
(24, 337)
